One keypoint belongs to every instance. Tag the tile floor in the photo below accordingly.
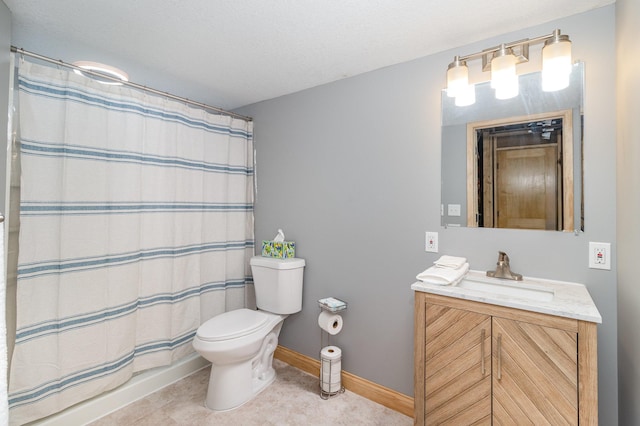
(291, 400)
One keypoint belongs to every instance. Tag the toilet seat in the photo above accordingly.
(232, 324)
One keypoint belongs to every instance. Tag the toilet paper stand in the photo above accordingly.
(327, 391)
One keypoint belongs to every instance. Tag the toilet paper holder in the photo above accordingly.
(333, 305)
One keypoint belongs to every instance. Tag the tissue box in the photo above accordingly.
(279, 249)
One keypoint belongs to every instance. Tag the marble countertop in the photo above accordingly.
(570, 300)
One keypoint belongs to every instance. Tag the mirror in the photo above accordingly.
(515, 163)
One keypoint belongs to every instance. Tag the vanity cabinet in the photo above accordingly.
(478, 363)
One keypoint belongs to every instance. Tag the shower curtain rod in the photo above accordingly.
(129, 83)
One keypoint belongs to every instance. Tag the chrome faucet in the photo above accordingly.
(503, 270)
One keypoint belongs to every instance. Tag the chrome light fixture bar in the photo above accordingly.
(502, 60)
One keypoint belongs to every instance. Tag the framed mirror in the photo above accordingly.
(515, 163)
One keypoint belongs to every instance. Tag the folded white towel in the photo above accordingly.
(450, 262)
(443, 276)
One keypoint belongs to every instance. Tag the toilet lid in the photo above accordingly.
(232, 324)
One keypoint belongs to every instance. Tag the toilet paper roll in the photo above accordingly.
(335, 374)
(331, 359)
(331, 353)
(331, 370)
(331, 387)
(330, 322)
(331, 379)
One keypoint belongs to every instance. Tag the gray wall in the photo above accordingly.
(628, 208)
(351, 172)
(5, 44)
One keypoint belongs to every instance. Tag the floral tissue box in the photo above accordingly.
(279, 249)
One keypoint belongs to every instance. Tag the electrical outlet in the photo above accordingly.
(431, 242)
(599, 255)
(453, 209)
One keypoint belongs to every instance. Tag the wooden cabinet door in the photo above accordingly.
(535, 374)
(457, 366)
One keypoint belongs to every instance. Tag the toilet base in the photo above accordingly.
(232, 385)
(236, 396)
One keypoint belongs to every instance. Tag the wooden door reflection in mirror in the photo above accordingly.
(520, 172)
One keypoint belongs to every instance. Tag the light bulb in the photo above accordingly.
(503, 74)
(556, 62)
(507, 91)
(457, 77)
(466, 96)
(552, 82)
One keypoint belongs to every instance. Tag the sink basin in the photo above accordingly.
(516, 289)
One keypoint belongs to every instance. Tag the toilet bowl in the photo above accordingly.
(240, 343)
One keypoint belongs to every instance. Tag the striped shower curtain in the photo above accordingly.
(136, 225)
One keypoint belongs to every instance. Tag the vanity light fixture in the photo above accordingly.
(105, 74)
(502, 60)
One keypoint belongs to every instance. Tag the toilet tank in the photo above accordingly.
(278, 284)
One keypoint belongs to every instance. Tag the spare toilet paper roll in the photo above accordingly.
(330, 322)
(331, 358)
(331, 353)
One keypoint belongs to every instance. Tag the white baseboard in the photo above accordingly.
(138, 387)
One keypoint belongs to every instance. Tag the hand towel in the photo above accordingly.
(450, 262)
(443, 276)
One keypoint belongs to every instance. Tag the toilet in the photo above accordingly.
(240, 343)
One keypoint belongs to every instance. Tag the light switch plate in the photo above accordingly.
(453, 209)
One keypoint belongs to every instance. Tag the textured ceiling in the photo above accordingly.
(240, 52)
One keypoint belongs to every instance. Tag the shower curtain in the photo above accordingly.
(136, 225)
